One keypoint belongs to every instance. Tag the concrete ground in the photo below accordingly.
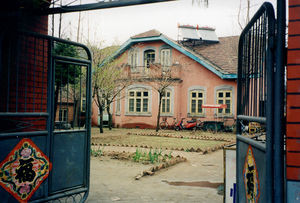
(113, 180)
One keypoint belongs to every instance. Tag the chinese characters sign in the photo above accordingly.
(250, 175)
(23, 170)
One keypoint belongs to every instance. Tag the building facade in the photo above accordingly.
(202, 74)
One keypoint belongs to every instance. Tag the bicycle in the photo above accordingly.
(165, 125)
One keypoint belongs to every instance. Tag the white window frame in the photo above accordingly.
(197, 90)
(224, 99)
(135, 89)
(118, 105)
(225, 88)
(165, 59)
(133, 59)
(63, 115)
(166, 102)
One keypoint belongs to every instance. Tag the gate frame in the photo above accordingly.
(268, 120)
(49, 116)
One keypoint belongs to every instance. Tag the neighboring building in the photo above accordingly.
(206, 73)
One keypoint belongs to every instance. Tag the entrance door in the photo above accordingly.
(255, 108)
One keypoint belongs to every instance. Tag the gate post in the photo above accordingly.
(279, 95)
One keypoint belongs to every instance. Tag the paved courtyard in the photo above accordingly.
(193, 181)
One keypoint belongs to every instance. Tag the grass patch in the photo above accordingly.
(154, 142)
(152, 157)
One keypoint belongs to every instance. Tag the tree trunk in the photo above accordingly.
(158, 115)
(56, 99)
(101, 118)
(109, 116)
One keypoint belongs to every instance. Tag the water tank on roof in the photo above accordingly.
(190, 33)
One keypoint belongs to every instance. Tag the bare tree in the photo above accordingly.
(108, 81)
(160, 78)
(247, 15)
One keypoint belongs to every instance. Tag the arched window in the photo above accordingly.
(149, 58)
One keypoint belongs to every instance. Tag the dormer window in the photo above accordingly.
(149, 58)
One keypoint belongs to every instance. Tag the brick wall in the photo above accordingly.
(293, 93)
(24, 71)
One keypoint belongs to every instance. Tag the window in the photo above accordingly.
(83, 104)
(138, 101)
(165, 59)
(118, 104)
(224, 97)
(63, 115)
(196, 101)
(166, 102)
(149, 58)
(133, 60)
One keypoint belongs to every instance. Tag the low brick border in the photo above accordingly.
(199, 150)
(201, 137)
(151, 171)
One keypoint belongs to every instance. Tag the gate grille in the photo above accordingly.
(255, 107)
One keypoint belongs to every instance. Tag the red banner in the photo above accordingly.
(215, 106)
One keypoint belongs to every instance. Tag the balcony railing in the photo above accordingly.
(153, 71)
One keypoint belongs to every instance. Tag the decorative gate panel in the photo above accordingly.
(255, 108)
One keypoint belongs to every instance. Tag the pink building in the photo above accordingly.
(204, 72)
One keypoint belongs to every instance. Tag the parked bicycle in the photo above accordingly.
(166, 125)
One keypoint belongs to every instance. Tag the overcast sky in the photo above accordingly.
(116, 25)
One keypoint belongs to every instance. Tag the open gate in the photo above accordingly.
(256, 108)
(45, 111)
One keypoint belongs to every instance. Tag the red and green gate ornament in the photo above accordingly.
(23, 170)
(251, 180)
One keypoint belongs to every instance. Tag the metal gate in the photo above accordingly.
(45, 111)
(255, 108)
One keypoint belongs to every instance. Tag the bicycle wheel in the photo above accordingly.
(163, 125)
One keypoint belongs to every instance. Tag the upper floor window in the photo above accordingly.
(149, 58)
(133, 59)
(165, 59)
(166, 102)
(196, 101)
(138, 101)
(224, 97)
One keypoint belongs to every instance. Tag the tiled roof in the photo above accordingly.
(224, 54)
(150, 33)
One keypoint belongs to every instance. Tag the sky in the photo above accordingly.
(113, 26)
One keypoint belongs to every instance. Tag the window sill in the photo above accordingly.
(138, 114)
(224, 116)
(167, 114)
(196, 115)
